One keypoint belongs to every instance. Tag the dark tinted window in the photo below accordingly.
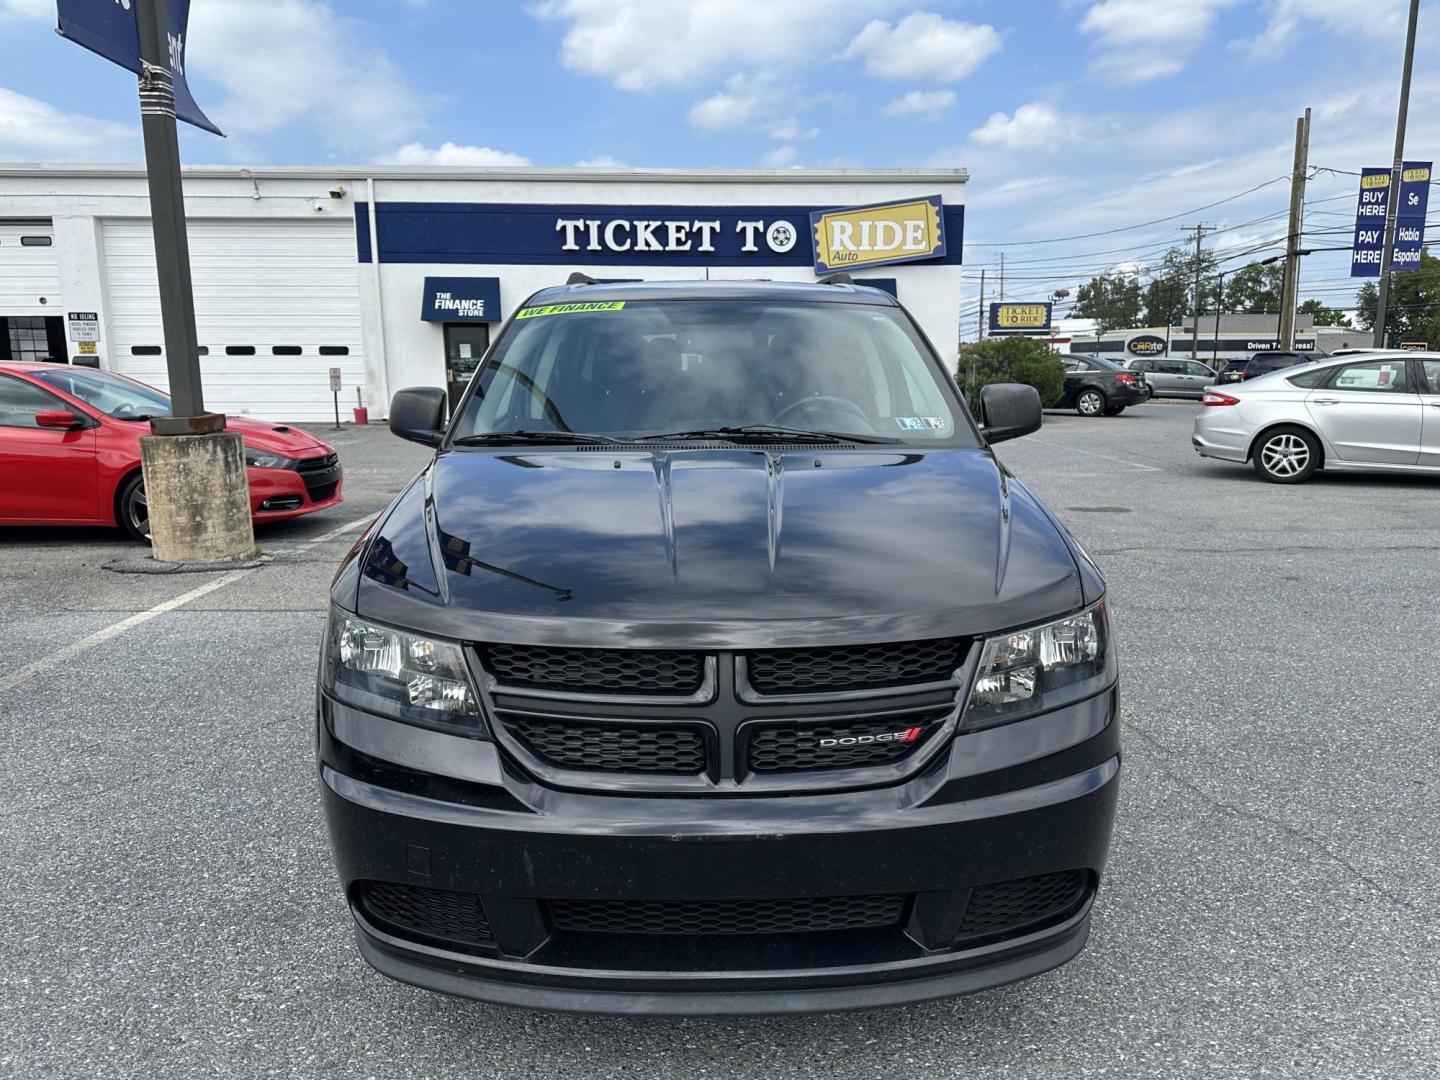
(1432, 374)
(1311, 378)
(284, 350)
(334, 350)
(239, 350)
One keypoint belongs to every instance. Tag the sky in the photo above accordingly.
(1093, 130)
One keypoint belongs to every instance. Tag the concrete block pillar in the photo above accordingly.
(198, 496)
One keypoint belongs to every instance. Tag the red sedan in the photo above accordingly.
(70, 452)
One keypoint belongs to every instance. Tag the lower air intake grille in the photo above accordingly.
(432, 913)
(570, 744)
(727, 916)
(799, 746)
(853, 667)
(596, 671)
(1011, 906)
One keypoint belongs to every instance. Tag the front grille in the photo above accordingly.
(792, 916)
(317, 464)
(414, 910)
(596, 671)
(322, 492)
(1009, 907)
(853, 667)
(635, 748)
(799, 746)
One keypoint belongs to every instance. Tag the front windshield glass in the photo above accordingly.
(642, 369)
(122, 398)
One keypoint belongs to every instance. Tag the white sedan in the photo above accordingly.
(1375, 411)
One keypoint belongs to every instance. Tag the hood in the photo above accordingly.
(728, 548)
(276, 438)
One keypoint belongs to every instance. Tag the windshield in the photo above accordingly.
(641, 369)
(122, 398)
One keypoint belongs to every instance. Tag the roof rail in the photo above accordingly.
(578, 278)
(837, 279)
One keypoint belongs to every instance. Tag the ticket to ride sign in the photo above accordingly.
(878, 235)
(1019, 318)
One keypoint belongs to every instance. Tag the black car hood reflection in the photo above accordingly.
(725, 547)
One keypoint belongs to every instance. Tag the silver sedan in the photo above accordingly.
(1377, 413)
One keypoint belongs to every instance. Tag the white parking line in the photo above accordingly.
(35, 667)
(1092, 453)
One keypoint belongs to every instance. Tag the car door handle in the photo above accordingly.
(1327, 401)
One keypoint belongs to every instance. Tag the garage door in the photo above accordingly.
(29, 274)
(277, 304)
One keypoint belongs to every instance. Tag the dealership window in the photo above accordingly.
(31, 337)
(239, 350)
(35, 241)
(144, 350)
(19, 402)
(284, 350)
(334, 350)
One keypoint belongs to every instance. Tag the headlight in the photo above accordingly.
(263, 459)
(1042, 667)
(399, 675)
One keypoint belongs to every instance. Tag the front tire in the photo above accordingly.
(1091, 402)
(1114, 410)
(1287, 456)
(132, 512)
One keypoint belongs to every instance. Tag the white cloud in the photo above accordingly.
(32, 130)
(925, 104)
(1148, 39)
(296, 63)
(1035, 126)
(923, 45)
(450, 153)
(1377, 19)
(644, 44)
(780, 157)
(28, 9)
(754, 101)
(601, 161)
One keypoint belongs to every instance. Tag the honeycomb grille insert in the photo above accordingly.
(839, 744)
(596, 671)
(432, 913)
(1013, 906)
(572, 744)
(793, 916)
(853, 667)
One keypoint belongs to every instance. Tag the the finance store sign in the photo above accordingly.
(828, 239)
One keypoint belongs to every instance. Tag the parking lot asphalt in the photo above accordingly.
(170, 908)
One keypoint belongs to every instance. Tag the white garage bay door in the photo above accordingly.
(277, 305)
(29, 273)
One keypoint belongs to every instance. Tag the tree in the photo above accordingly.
(1112, 300)
(1010, 358)
(1324, 316)
(1413, 308)
(1170, 294)
(1255, 289)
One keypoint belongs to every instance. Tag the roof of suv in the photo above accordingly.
(790, 291)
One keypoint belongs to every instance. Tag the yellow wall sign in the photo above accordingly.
(1019, 317)
(87, 348)
(878, 235)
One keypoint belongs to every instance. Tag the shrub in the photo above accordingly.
(1010, 359)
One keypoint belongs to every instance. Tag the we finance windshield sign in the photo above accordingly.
(699, 236)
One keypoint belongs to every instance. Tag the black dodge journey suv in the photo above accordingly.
(716, 665)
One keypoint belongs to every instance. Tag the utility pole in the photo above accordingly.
(1200, 231)
(1290, 283)
(1219, 306)
(1002, 277)
(980, 330)
(1392, 204)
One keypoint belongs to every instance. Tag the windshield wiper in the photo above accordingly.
(763, 433)
(516, 438)
(139, 416)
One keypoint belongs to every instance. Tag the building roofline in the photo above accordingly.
(463, 172)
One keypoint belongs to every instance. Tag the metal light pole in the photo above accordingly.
(1392, 203)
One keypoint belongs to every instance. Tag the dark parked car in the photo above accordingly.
(1169, 376)
(1261, 363)
(1095, 387)
(716, 665)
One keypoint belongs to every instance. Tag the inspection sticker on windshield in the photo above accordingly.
(936, 423)
(569, 309)
(910, 423)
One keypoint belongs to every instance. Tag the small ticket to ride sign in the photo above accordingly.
(1019, 317)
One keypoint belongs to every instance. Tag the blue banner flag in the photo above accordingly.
(1410, 214)
(1370, 223)
(108, 27)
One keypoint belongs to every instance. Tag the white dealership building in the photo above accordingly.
(399, 277)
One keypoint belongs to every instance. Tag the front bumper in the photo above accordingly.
(281, 494)
(430, 811)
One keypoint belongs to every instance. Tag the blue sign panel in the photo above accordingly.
(542, 234)
(1366, 253)
(461, 299)
(1410, 214)
(108, 27)
(1028, 318)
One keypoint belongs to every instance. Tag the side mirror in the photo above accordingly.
(1009, 410)
(417, 413)
(58, 418)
